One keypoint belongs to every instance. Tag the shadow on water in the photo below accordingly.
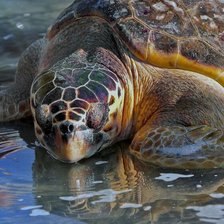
(109, 188)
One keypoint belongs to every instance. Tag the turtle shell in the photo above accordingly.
(184, 34)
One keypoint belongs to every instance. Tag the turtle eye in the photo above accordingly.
(97, 116)
(43, 117)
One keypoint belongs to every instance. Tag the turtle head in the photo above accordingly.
(77, 112)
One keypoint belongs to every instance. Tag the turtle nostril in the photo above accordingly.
(67, 128)
(71, 128)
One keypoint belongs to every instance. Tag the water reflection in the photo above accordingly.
(108, 188)
(124, 189)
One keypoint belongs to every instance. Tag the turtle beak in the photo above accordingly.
(72, 145)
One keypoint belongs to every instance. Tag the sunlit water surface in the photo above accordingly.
(111, 188)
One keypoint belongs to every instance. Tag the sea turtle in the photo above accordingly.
(109, 70)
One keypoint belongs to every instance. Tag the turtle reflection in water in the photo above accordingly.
(113, 70)
(99, 193)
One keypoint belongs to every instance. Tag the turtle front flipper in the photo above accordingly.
(13, 104)
(14, 100)
(180, 147)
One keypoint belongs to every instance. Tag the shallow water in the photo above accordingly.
(112, 188)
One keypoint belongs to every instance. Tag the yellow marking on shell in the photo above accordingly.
(210, 71)
(161, 60)
(176, 60)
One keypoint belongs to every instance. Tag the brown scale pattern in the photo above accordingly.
(87, 95)
(79, 104)
(180, 17)
(69, 94)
